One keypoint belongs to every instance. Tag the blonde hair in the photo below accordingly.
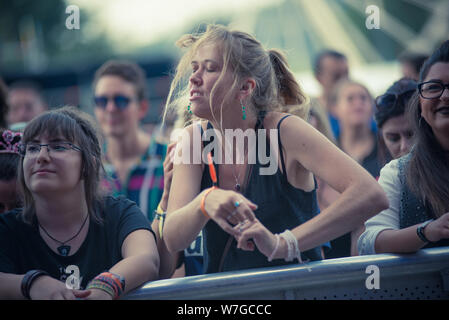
(276, 86)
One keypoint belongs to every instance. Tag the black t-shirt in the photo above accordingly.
(22, 249)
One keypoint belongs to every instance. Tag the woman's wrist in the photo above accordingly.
(29, 280)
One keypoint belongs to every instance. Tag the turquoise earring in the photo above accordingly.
(243, 110)
(188, 109)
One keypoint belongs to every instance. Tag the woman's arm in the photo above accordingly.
(140, 263)
(184, 217)
(361, 196)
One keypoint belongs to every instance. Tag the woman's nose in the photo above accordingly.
(195, 78)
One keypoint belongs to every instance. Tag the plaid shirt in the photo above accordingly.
(145, 182)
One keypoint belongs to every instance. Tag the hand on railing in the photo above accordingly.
(438, 229)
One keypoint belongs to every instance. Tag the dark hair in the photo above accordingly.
(3, 104)
(394, 101)
(128, 71)
(323, 54)
(428, 171)
(78, 128)
(416, 60)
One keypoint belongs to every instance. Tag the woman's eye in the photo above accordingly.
(58, 147)
(393, 138)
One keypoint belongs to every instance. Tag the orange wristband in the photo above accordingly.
(203, 201)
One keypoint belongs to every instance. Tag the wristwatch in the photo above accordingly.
(420, 231)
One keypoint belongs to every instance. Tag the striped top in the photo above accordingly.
(145, 181)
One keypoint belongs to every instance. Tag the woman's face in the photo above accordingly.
(207, 65)
(49, 172)
(436, 111)
(354, 106)
(397, 134)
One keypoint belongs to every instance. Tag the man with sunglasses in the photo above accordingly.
(133, 160)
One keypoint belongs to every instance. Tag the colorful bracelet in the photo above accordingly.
(98, 284)
(109, 282)
(203, 201)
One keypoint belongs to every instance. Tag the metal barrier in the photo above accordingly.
(423, 275)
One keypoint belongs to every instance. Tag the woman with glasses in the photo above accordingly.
(395, 130)
(417, 184)
(68, 241)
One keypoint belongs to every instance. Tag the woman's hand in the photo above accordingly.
(438, 229)
(254, 233)
(228, 208)
(47, 288)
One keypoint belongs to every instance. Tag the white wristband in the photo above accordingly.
(292, 246)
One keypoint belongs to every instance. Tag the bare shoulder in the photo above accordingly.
(293, 129)
(273, 117)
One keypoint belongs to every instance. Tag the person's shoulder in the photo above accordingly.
(390, 172)
(273, 118)
(111, 201)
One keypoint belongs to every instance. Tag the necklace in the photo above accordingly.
(64, 249)
(237, 186)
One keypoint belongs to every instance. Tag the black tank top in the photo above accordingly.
(280, 206)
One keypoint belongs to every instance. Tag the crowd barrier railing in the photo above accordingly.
(422, 275)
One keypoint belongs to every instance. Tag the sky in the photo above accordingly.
(139, 22)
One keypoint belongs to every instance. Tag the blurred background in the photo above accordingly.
(36, 44)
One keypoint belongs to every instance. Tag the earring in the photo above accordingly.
(188, 109)
(243, 110)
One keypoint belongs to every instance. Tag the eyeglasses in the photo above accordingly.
(121, 102)
(389, 100)
(55, 148)
(432, 89)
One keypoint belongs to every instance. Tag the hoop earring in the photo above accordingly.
(243, 110)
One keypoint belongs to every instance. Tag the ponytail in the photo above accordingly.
(290, 94)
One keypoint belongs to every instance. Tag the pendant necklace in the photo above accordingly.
(237, 186)
(64, 249)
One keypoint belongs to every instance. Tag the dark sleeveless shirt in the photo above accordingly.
(280, 206)
(413, 210)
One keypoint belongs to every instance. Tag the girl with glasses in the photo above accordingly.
(417, 183)
(69, 241)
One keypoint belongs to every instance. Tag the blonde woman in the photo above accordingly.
(249, 218)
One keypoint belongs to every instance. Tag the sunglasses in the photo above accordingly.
(390, 100)
(121, 102)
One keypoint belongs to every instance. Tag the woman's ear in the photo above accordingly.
(247, 87)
